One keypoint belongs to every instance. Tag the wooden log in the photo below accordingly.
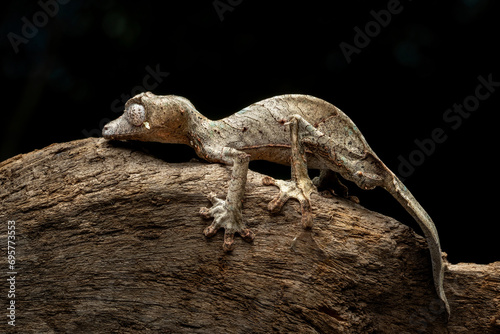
(108, 239)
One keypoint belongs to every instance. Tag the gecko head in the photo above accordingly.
(149, 117)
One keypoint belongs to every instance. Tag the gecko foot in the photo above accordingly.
(227, 217)
(329, 181)
(290, 189)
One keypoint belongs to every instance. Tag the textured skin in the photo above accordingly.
(298, 130)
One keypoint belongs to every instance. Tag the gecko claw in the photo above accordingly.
(228, 245)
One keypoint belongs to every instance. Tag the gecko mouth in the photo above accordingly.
(110, 133)
(113, 136)
(118, 129)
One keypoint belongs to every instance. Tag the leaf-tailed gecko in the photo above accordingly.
(298, 130)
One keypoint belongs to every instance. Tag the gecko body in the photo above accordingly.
(298, 130)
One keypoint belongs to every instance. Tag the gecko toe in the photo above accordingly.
(209, 231)
(268, 181)
(206, 213)
(354, 199)
(307, 218)
(247, 235)
(277, 203)
(228, 245)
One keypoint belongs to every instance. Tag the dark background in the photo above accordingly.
(67, 81)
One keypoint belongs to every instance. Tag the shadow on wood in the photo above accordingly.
(108, 239)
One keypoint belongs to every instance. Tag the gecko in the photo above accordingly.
(298, 130)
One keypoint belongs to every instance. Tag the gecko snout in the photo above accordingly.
(105, 131)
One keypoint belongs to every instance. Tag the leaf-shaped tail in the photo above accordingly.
(406, 199)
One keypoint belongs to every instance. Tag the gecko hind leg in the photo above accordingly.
(329, 180)
(300, 187)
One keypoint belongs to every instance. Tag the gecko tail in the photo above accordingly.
(406, 199)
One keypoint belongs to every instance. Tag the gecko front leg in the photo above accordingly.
(301, 186)
(227, 213)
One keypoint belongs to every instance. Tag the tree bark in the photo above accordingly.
(108, 239)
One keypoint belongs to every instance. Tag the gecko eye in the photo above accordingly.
(135, 114)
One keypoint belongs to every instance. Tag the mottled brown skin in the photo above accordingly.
(297, 130)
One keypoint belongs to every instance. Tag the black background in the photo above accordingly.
(64, 82)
